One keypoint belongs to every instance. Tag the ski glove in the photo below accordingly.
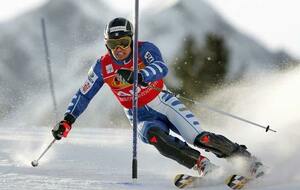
(126, 75)
(61, 129)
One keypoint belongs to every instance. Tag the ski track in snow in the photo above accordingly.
(86, 160)
(89, 158)
(100, 158)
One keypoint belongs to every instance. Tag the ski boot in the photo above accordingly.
(256, 168)
(204, 166)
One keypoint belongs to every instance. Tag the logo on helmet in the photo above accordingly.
(117, 29)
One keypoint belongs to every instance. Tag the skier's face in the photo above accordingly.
(120, 53)
(119, 47)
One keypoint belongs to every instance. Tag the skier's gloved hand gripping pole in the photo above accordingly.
(126, 75)
(63, 128)
(60, 130)
(215, 110)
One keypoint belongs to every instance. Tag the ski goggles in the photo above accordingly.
(123, 42)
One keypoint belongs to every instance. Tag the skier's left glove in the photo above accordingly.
(126, 75)
(61, 129)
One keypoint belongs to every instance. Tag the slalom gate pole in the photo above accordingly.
(49, 67)
(135, 92)
(214, 109)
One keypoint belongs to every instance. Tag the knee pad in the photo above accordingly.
(220, 145)
(172, 147)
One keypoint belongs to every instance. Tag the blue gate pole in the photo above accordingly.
(135, 92)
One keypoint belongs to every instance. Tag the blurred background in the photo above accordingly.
(229, 54)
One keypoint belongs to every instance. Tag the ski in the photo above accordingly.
(237, 181)
(183, 181)
(233, 181)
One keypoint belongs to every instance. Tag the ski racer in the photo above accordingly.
(158, 112)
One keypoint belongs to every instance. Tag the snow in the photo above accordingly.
(100, 158)
(89, 159)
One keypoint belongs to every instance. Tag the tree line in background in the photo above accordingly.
(200, 69)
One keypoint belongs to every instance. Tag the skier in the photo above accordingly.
(158, 112)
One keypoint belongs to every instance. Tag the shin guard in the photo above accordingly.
(220, 145)
(173, 147)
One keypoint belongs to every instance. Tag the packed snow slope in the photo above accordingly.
(100, 158)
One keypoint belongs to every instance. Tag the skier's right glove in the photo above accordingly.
(61, 129)
(127, 76)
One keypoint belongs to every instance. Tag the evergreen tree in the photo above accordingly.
(201, 69)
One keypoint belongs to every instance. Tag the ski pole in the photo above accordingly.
(213, 109)
(35, 163)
